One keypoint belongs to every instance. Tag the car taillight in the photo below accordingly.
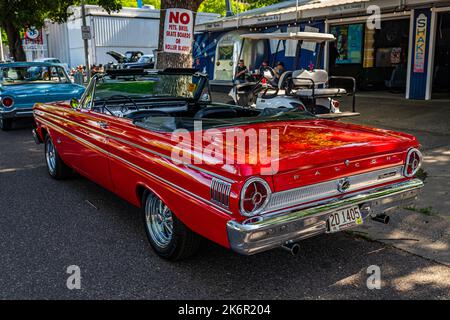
(413, 162)
(255, 196)
(7, 102)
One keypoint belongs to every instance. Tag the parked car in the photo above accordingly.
(48, 60)
(147, 61)
(122, 59)
(22, 84)
(129, 56)
(330, 176)
(53, 60)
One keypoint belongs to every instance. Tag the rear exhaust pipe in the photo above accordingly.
(293, 248)
(382, 218)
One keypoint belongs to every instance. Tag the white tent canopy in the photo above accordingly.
(305, 36)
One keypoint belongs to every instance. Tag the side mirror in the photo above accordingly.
(74, 103)
(205, 97)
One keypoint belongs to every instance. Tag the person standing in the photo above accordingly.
(241, 72)
(79, 76)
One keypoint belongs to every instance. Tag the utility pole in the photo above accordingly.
(229, 9)
(85, 41)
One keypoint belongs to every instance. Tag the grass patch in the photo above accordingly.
(421, 174)
(428, 211)
(133, 87)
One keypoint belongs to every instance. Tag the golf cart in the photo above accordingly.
(312, 90)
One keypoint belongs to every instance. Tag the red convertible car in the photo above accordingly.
(129, 128)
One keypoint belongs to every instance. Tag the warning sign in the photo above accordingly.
(178, 31)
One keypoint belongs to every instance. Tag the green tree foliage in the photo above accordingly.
(3, 36)
(253, 4)
(15, 15)
(214, 6)
(218, 6)
(133, 3)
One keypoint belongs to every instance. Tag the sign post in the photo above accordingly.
(86, 32)
(178, 31)
(85, 41)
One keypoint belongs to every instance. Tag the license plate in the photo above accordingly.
(344, 219)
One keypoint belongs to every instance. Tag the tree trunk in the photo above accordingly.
(14, 41)
(167, 59)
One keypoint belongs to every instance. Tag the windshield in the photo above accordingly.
(132, 56)
(145, 59)
(50, 60)
(167, 101)
(156, 85)
(34, 74)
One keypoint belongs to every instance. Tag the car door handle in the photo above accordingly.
(102, 124)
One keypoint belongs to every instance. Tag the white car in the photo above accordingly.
(53, 60)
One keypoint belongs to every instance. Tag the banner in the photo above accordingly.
(420, 43)
(33, 39)
(178, 31)
(33, 35)
(310, 46)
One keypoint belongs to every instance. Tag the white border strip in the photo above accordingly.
(410, 54)
(431, 52)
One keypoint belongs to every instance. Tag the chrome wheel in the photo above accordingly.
(159, 221)
(50, 156)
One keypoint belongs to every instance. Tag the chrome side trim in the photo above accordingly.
(140, 147)
(220, 192)
(264, 233)
(310, 193)
(142, 170)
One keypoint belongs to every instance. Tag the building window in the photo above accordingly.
(349, 43)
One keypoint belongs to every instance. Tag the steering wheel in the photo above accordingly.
(123, 108)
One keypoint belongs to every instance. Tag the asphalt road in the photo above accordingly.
(48, 225)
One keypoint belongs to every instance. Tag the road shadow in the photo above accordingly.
(77, 222)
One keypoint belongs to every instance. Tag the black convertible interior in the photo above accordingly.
(168, 101)
(172, 115)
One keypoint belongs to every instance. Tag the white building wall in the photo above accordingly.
(123, 34)
(57, 41)
(130, 29)
(75, 42)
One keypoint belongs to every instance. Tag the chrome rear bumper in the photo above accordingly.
(268, 232)
(16, 113)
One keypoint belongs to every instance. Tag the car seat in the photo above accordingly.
(314, 83)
